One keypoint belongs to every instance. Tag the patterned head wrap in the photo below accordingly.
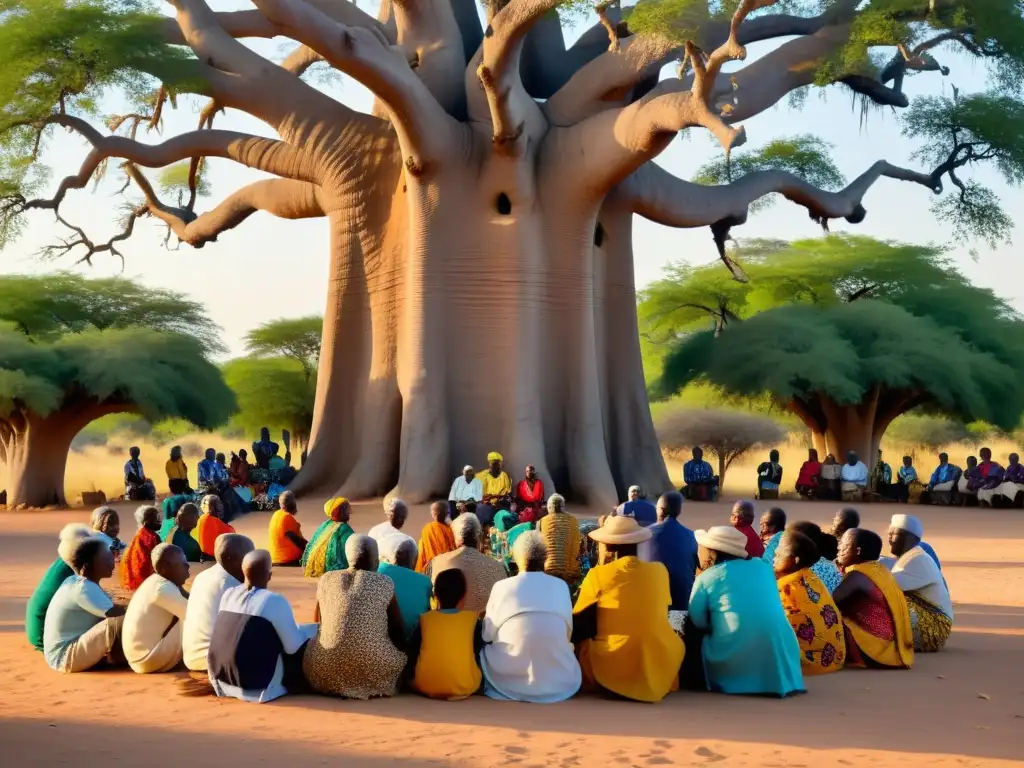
(333, 507)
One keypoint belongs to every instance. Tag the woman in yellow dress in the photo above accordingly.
(624, 641)
(497, 489)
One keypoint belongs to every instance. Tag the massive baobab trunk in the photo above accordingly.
(481, 290)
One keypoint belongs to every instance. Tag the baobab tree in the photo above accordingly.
(481, 288)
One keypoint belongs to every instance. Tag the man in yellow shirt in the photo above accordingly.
(497, 489)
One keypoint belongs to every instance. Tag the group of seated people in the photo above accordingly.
(656, 608)
(488, 493)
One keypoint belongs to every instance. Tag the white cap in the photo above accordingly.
(468, 468)
(907, 523)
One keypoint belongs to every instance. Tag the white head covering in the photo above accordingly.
(723, 538)
(907, 523)
(468, 468)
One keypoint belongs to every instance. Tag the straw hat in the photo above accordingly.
(621, 530)
(723, 538)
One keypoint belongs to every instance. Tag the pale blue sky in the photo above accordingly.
(271, 268)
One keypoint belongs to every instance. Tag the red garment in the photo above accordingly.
(809, 473)
(987, 466)
(137, 563)
(754, 546)
(529, 502)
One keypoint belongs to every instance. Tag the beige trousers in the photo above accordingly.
(94, 646)
(165, 656)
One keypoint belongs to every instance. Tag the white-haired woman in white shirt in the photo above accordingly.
(527, 628)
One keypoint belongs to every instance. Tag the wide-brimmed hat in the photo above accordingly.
(723, 538)
(620, 530)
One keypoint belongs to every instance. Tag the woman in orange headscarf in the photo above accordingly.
(210, 525)
(326, 549)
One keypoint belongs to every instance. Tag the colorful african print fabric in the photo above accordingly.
(930, 625)
(815, 619)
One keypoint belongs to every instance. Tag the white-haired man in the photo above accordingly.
(528, 654)
(466, 492)
(60, 569)
(482, 572)
(638, 507)
(396, 513)
(207, 590)
(255, 638)
(151, 635)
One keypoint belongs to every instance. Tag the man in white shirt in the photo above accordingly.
(151, 636)
(931, 608)
(207, 589)
(853, 477)
(388, 534)
(467, 488)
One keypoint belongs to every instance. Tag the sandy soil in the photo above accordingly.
(964, 707)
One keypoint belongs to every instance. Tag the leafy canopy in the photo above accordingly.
(272, 392)
(297, 338)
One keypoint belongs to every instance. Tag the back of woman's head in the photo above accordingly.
(450, 588)
(808, 529)
(828, 546)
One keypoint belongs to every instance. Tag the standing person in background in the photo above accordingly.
(286, 543)
(699, 480)
(177, 473)
(436, 538)
(742, 520)
(530, 496)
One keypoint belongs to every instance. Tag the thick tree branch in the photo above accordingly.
(496, 67)
(429, 28)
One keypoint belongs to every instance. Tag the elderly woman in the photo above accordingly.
(357, 652)
(138, 565)
(528, 630)
(59, 570)
(106, 524)
(747, 644)
(561, 532)
(178, 531)
(625, 643)
(210, 525)
(326, 549)
(412, 589)
(481, 572)
(809, 606)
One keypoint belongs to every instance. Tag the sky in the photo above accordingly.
(269, 268)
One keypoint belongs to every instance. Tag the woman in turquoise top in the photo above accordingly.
(412, 589)
(748, 646)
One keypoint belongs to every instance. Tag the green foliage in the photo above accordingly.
(929, 432)
(173, 180)
(296, 338)
(272, 392)
(48, 306)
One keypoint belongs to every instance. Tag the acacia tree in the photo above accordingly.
(272, 392)
(849, 334)
(296, 338)
(481, 285)
(58, 372)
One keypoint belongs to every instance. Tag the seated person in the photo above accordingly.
(151, 635)
(699, 480)
(846, 519)
(466, 489)
(809, 607)
(527, 631)
(106, 524)
(991, 475)
(412, 589)
(277, 462)
(497, 490)
(969, 483)
(876, 619)
(58, 572)
(638, 507)
(673, 545)
(446, 644)
(624, 641)
(769, 477)
(481, 571)
(831, 474)
(213, 475)
(1011, 484)
(357, 652)
(504, 532)
(807, 482)
(737, 620)
(326, 549)
(256, 644)
(178, 531)
(823, 568)
(137, 487)
(436, 538)
(177, 473)
(137, 565)
(561, 533)
(880, 478)
(82, 629)
(742, 519)
(204, 601)
(942, 482)
(238, 471)
(263, 449)
(395, 515)
(286, 544)
(906, 480)
(530, 496)
(853, 477)
(210, 525)
(928, 600)
(773, 525)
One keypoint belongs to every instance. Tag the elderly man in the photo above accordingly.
(931, 609)
(255, 638)
(412, 589)
(204, 602)
(59, 570)
(137, 563)
(286, 543)
(853, 477)
(699, 480)
(773, 524)
(466, 492)
(151, 635)
(742, 519)
(638, 507)
(389, 534)
(482, 572)
(673, 545)
(846, 519)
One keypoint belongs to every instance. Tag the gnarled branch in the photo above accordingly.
(430, 29)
